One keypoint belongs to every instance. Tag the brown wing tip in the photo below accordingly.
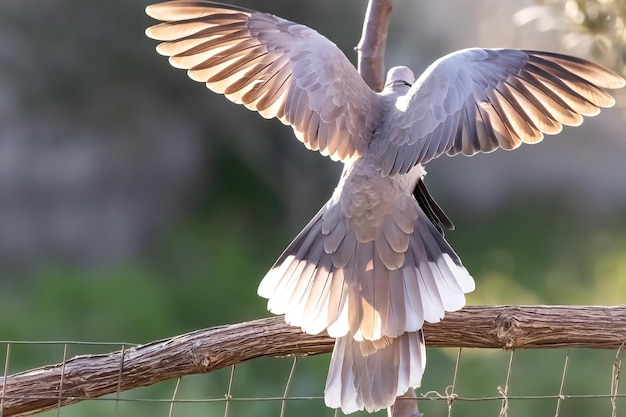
(595, 73)
(152, 32)
(177, 10)
(166, 11)
(611, 80)
(177, 16)
(617, 81)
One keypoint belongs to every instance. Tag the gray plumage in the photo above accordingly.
(372, 265)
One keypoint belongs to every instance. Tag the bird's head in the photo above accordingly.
(397, 76)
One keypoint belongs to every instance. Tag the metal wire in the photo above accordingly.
(558, 401)
(451, 396)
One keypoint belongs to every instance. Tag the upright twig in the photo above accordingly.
(371, 47)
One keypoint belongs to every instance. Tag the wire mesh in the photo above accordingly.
(458, 382)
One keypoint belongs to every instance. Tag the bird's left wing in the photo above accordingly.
(477, 100)
(273, 66)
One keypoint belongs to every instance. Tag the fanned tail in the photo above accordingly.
(372, 291)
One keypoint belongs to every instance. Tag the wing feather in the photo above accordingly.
(273, 66)
(478, 100)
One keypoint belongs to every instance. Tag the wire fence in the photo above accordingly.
(458, 382)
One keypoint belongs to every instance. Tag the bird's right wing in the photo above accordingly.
(273, 66)
(478, 100)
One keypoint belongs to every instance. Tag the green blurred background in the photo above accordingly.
(135, 205)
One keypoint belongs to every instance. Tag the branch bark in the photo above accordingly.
(371, 47)
(202, 351)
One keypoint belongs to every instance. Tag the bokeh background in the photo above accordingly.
(136, 205)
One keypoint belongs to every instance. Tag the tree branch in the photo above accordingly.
(202, 351)
(371, 47)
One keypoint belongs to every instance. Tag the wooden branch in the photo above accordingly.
(371, 47)
(208, 350)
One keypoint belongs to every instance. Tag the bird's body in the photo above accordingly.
(373, 265)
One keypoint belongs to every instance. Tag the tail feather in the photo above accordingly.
(373, 381)
(431, 208)
(364, 288)
(317, 302)
(268, 286)
(396, 321)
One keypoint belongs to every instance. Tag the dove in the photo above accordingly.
(373, 264)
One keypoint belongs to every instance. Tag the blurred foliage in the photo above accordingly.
(206, 273)
(597, 26)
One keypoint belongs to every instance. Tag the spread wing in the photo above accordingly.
(273, 66)
(477, 100)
